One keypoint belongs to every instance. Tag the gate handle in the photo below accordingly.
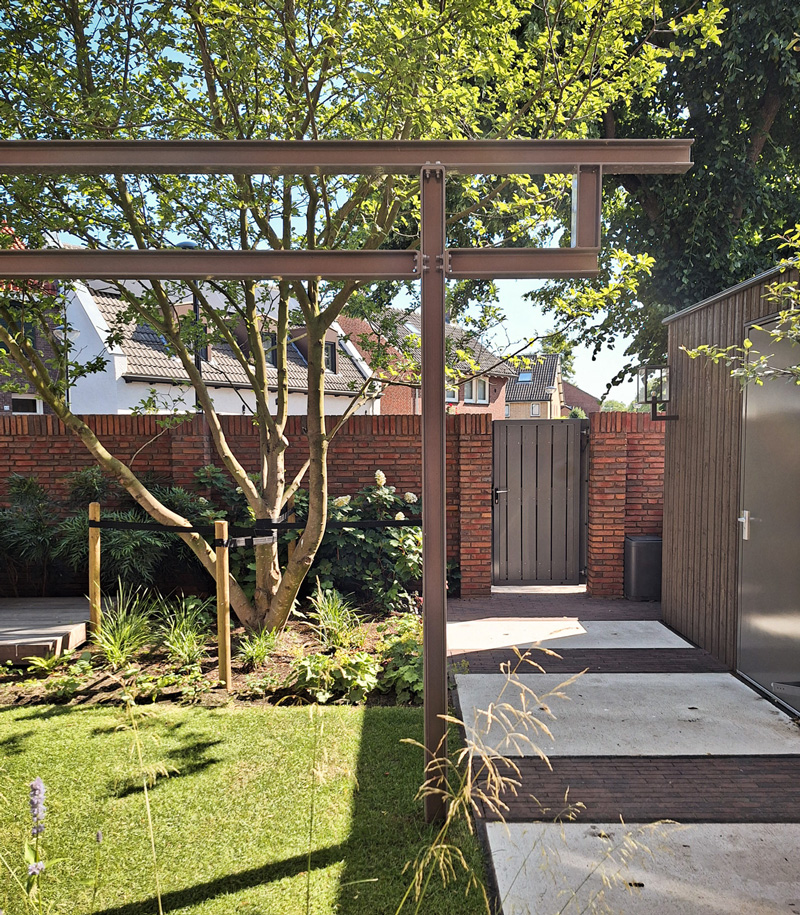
(497, 493)
(745, 522)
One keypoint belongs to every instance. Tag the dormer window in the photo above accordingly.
(272, 349)
(330, 357)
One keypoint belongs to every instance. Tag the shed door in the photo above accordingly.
(769, 583)
(537, 502)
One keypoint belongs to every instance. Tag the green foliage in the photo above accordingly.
(135, 557)
(184, 627)
(28, 531)
(401, 653)
(89, 485)
(334, 619)
(346, 676)
(577, 413)
(256, 647)
(738, 99)
(381, 567)
(613, 406)
(126, 625)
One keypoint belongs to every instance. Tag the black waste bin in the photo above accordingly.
(643, 567)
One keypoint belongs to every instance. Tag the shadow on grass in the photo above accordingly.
(243, 880)
(13, 746)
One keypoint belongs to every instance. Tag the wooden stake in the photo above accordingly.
(223, 605)
(95, 613)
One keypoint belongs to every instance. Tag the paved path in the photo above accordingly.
(654, 729)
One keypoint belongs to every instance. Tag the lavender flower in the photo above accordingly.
(35, 869)
(38, 809)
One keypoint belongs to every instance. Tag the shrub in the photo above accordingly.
(28, 531)
(184, 627)
(381, 567)
(256, 647)
(345, 675)
(125, 625)
(401, 653)
(334, 619)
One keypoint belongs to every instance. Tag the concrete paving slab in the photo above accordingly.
(559, 633)
(630, 715)
(700, 869)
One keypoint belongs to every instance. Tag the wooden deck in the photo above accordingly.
(41, 626)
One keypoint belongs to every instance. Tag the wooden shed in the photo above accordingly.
(704, 470)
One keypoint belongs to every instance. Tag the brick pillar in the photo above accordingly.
(608, 470)
(474, 433)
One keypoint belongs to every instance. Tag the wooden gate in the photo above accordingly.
(539, 523)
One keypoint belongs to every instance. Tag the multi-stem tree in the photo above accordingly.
(363, 69)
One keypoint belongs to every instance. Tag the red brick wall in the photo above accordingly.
(626, 493)
(40, 446)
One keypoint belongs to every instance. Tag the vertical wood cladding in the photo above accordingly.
(702, 472)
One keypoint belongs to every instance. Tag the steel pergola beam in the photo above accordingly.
(343, 157)
(587, 160)
(177, 264)
(162, 264)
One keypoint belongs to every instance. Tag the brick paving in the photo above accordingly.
(594, 660)
(688, 788)
(538, 605)
(708, 789)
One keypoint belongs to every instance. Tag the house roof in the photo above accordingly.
(460, 338)
(544, 374)
(575, 397)
(149, 360)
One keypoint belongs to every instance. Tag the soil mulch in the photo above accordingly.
(158, 679)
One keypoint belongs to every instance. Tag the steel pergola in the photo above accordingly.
(432, 264)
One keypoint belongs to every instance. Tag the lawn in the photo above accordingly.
(264, 810)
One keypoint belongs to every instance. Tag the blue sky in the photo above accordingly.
(523, 320)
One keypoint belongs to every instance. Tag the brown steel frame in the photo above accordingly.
(587, 160)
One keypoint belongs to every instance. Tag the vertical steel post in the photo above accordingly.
(587, 187)
(434, 544)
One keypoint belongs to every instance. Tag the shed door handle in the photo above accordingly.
(497, 494)
(745, 522)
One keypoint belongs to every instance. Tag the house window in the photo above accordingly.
(272, 346)
(24, 403)
(330, 357)
(535, 410)
(525, 377)
(28, 327)
(508, 411)
(451, 395)
(476, 390)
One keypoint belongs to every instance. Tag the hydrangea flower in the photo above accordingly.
(409, 497)
(380, 478)
(399, 517)
(38, 809)
(341, 501)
